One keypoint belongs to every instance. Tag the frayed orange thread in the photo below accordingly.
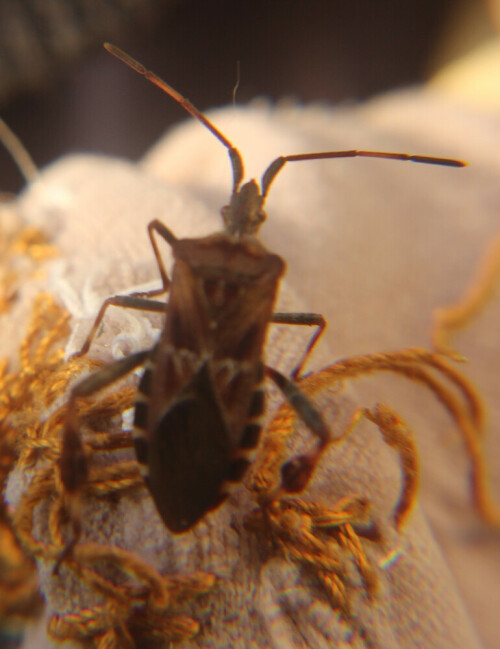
(144, 603)
(19, 593)
(449, 319)
(466, 409)
(323, 537)
(393, 428)
(300, 539)
(22, 249)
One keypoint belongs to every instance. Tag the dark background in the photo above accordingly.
(61, 92)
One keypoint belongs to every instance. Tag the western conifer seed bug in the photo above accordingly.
(200, 401)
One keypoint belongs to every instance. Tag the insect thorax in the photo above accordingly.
(222, 296)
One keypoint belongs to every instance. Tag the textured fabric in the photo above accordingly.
(373, 245)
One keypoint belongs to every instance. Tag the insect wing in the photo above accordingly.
(188, 455)
(235, 283)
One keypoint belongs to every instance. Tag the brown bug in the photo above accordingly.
(200, 401)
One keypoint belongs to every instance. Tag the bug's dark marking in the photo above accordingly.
(257, 403)
(141, 449)
(141, 414)
(250, 437)
(237, 469)
(145, 384)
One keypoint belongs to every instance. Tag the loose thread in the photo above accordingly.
(449, 319)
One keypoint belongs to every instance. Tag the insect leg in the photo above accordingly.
(309, 319)
(73, 463)
(126, 301)
(162, 231)
(296, 473)
(138, 300)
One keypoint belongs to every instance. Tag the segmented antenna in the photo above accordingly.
(236, 161)
(275, 166)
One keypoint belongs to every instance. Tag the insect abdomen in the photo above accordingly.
(188, 460)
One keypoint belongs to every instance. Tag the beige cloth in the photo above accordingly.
(373, 245)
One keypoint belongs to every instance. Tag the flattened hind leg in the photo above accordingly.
(296, 473)
(73, 465)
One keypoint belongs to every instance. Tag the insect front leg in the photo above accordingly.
(124, 301)
(308, 319)
(139, 300)
(73, 464)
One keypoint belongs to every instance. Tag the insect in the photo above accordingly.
(200, 402)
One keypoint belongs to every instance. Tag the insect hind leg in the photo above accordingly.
(296, 473)
(73, 464)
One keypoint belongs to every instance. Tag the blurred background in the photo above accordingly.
(61, 92)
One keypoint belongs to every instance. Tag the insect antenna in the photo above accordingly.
(234, 155)
(275, 167)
